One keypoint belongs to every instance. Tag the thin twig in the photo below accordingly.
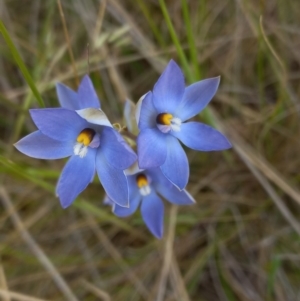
(63, 20)
(35, 248)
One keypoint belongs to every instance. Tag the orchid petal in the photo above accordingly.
(113, 180)
(196, 97)
(174, 195)
(75, 177)
(68, 98)
(59, 124)
(116, 151)
(37, 145)
(129, 117)
(152, 148)
(138, 108)
(133, 205)
(169, 89)
(87, 95)
(152, 210)
(201, 137)
(165, 188)
(176, 166)
(95, 116)
(147, 113)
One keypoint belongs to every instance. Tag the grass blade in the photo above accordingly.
(21, 64)
(176, 41)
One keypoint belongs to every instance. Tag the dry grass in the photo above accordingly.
(241, 240)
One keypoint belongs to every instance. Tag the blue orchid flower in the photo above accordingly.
(161, 117)
(85, 97)
(81, 130)
(145, 186)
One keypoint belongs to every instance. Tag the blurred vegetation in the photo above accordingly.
(241, 240)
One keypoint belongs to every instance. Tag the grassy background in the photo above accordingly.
(241, 240)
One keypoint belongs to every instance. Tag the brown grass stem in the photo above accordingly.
(168, 254)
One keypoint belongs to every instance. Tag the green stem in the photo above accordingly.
(191, 39)
(175, 39)
(21, 64)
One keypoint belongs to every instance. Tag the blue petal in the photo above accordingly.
(176, 167)
(113, 180)
(59, 124)
(196, 97)
(37, 145)
(133, 205)
(174, 195)
(152, 210)
(169, 89)
(152, 148)
(87, 95)
(201, 137)
(116, 151)
(68, 98)
(75, 177)
(147, 115)
(164, 187)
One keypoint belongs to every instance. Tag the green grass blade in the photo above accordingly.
(18, 171)
(176, 41)
(144, 8)
(191, 39)
(273, 269)
(21, 64)
(207, 116)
